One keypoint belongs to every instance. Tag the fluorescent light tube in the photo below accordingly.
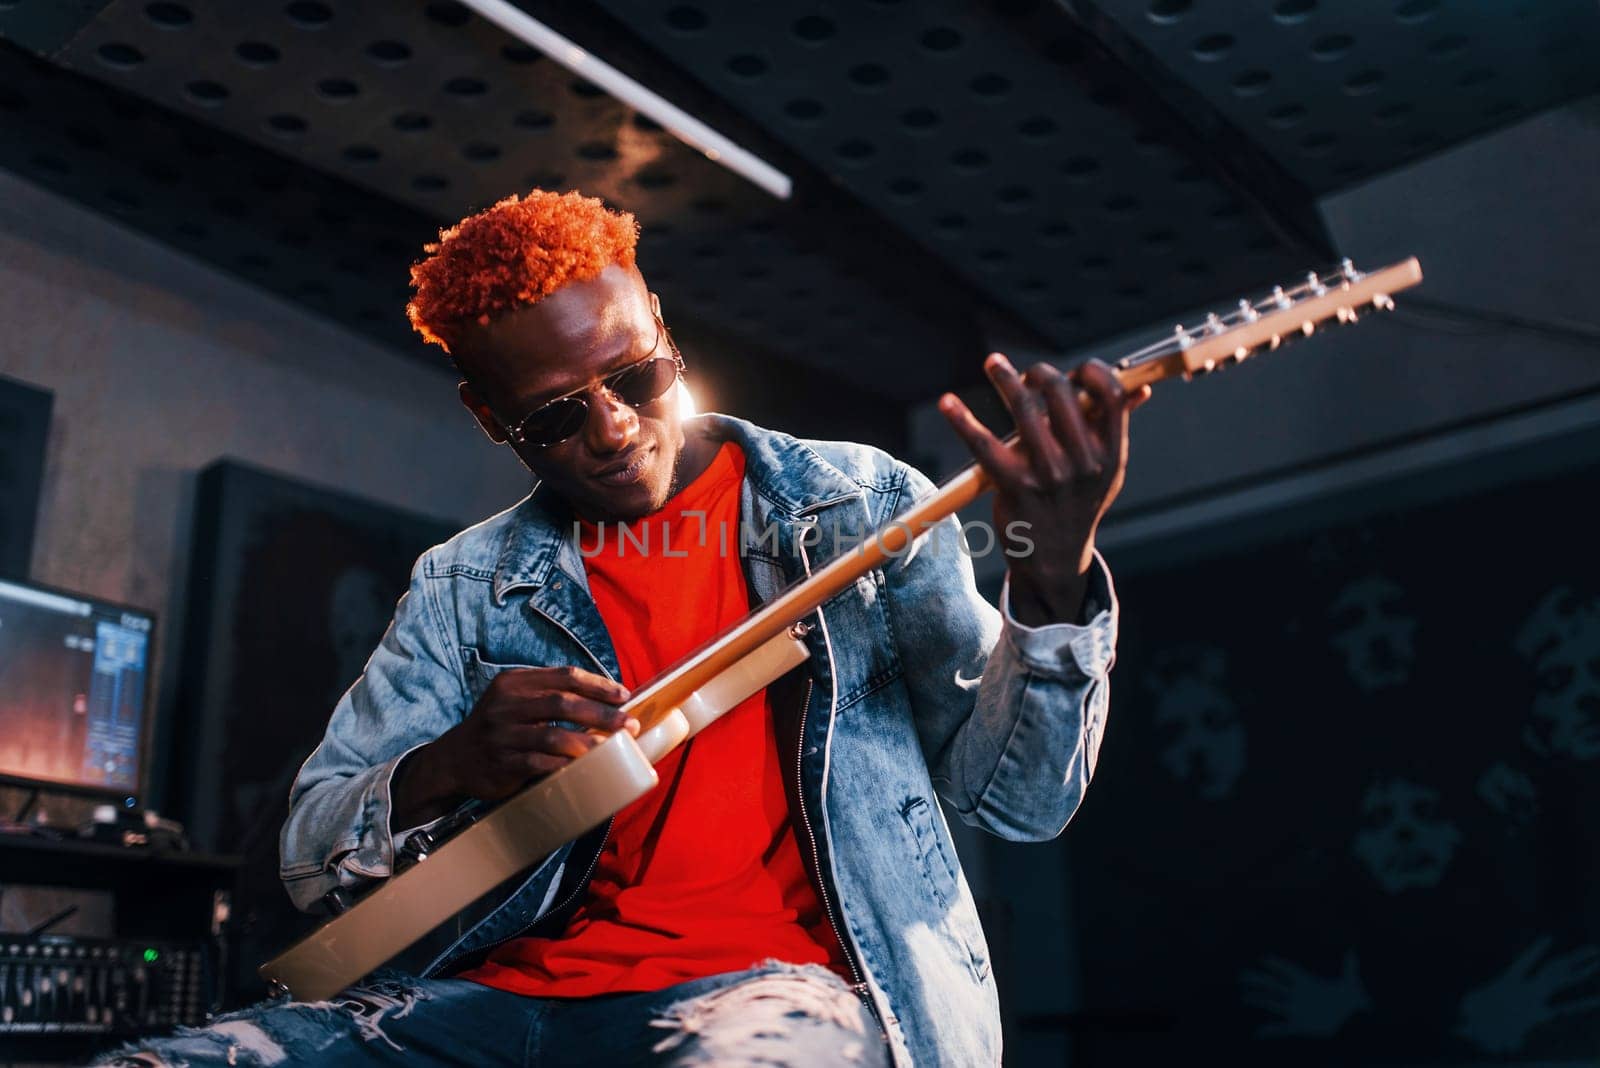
(688, 129)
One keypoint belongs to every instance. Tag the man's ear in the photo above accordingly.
(655, 304)
(481, 412)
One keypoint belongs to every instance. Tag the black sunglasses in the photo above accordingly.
(637, 384)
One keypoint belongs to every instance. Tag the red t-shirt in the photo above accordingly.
(703, 874)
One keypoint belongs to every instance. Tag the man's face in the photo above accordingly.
(1374, 635)
(1404, 841)
(1562, 639)
(621, 464)
(1206, 743)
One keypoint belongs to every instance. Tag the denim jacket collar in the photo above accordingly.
(784, 479)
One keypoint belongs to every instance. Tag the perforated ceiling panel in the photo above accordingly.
(286, 228)
(997, 135)
(434, 108)
(1047, 170)
(1338, 90)
(333, 248)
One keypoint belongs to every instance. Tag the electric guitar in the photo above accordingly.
(581, 795)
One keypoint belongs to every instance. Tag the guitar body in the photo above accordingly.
(559, 808)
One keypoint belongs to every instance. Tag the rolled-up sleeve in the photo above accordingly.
(1010, 716)
(1088, 647)
(338, 831)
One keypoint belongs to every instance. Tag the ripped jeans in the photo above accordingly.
(772, 1014)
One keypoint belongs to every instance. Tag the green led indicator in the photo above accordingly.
(151, 955)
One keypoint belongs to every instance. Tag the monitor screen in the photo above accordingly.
(72, 689)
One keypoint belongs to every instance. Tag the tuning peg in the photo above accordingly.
(1308, 328)
(1349, 271)
(1247, 311)
(1280, 298)
(1240, 353)
(1182, 335)
(1383, 302)
(1314, 283)
(1214, 324)
(1274, 342)
(1347, 315)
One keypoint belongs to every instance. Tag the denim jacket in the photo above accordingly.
(915, 684)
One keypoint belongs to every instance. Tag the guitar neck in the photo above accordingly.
(671, 689)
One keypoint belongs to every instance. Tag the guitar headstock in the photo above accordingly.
(1342, 295)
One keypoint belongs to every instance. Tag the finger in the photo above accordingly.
(1263, 988)
(1251, 977)
(526, 682)
(1570, 1008)
(1574, 974)
(1108, 400)
(545, 706)
(574, 679)
(1138, 397)
(560, 740)
(995, 459)
(544, 763)
(1029, 411)
(581, 712)
(1582, 953)
(1072, 427)
(1574, 967)
(549, 738)
(1538, 949)
(1264, 1002)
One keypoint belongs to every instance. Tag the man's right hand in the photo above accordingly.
(529, 722)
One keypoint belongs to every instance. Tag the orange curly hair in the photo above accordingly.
(515, 253)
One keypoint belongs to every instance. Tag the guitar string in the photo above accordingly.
(1281, 299)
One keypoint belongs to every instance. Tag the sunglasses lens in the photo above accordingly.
(555, 422)
(644, 383)
(565, 416)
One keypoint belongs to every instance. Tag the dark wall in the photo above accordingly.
(1341, 808)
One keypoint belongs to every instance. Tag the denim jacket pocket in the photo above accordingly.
(959, 912)
(480, 672)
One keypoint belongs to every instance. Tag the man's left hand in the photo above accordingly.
(1058, 477)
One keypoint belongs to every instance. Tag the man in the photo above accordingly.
(789, 893)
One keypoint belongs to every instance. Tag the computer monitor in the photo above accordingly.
(74, 674)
